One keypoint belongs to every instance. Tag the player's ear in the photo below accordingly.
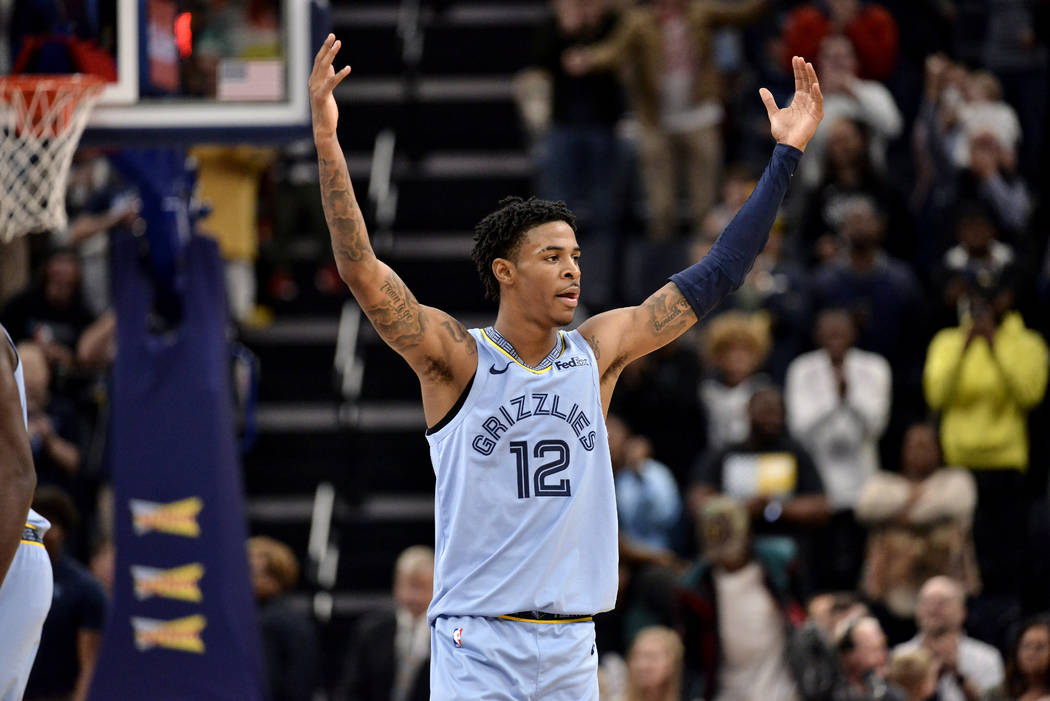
(504, 271)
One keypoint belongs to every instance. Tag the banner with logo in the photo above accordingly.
(182, 624)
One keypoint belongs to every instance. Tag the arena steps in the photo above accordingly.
(460, 37)
(447, 191)
(314, 376)
(368, 447)
(460, 149)
(451, 285)
(457, 191)
(369, 534)
(445, 113)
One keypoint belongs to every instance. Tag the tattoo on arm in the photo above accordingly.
(345, 222)
(459, 334)
(669, 314)
(592, 341)
(615, 366)
(399, 318)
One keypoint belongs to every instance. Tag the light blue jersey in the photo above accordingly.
(525, 506)
(25, 595)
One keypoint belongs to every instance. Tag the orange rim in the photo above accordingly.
(29, 80)
(85, 83)
(39, 92)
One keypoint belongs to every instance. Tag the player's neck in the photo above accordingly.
(531, 341)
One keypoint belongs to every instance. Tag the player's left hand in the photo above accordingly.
(795, 124)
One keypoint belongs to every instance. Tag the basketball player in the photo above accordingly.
(25, 570)
(526, 537)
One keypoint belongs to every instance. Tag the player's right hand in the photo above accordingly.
(323, 79)
(795, 124)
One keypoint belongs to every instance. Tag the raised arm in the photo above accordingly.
(17, 476)
(435, 345)
(612, 51)
(622, 335)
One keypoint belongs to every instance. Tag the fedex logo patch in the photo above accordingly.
(575, 362)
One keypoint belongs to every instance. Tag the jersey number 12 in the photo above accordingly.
(541, 487)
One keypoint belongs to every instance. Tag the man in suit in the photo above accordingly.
(389, 658)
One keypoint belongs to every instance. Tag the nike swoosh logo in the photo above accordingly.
(494, 371)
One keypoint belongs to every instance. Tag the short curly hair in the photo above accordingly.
(732, 328)
(499, 234)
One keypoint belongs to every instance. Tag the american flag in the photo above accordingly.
(257, 80)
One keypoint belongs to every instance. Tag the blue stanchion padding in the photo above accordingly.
(182, 624)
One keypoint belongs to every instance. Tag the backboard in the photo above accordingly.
(186, 70)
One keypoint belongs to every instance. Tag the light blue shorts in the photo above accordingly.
(25, 598)
(494, 659)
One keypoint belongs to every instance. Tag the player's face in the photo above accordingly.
(546, 277)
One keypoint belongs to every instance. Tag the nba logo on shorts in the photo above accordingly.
(457, 637)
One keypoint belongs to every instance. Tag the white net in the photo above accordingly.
(41, 120)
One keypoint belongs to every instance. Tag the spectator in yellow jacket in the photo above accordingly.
(983, 377)
(228, 182)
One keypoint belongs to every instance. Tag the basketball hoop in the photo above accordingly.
(41, 120)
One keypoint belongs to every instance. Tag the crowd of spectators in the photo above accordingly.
(834, 488)
(871, 399)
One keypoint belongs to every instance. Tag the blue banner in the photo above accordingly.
(182, 624)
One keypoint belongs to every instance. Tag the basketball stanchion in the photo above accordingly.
(41, 120)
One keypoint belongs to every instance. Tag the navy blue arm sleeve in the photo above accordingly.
(727, 264)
